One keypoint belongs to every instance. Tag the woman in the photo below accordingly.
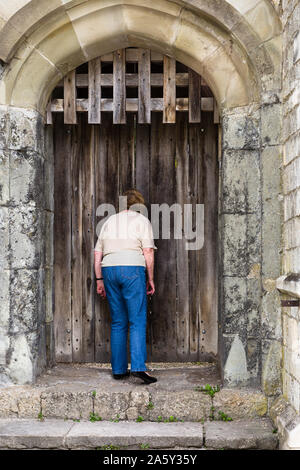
(124, 252)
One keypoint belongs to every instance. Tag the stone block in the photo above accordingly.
(25, 129)
(243, 434)
(26, 237)
(3, 126)
(4, 238)
(271, 367)
(138, 404)
(85, 435)
(4, 177)
(235, 245)
(241, 131)
(184, 404)
(28, 434)
(4, 299)
(20, 366)
(236, 368)
(254, 238)
(240, 403)
(241, 184)
(26, 300)
(235, 308)
(271, 315)
(68, 404)
(4, 346)
(127, 405)
(27, 178)
(253, 306)
(271, 124)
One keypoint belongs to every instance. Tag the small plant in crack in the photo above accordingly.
(144, 446)
(224, 417)
(212, 413)
(275, 431)
(150, 405)
(95, 417)
(93, 393)
(116, 420)
(210, 390)
(139, 419)
(40, 416)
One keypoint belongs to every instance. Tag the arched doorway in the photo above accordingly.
(144, 120)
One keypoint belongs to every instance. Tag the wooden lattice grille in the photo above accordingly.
(111, 82)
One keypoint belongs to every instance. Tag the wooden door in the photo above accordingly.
(168, 163)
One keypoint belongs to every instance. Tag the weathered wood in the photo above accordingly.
(196, 179)
(169, 110)
(119, 104)
(194, 96)
(62, 242)
(70, 116)
(132, 80)
(88, 217)
(127, 155)
(182, 104)
(182, 258)
(216, 112)
(94, 83)
(168, 163)
(144, 104)
(75, 155)
(162, 190)
(102, 155)
(209, 253)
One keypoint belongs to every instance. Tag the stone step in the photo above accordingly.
(66, 434)
(75, 391)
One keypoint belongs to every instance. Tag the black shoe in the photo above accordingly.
(121, 376)
(145, 377)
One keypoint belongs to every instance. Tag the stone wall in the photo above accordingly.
(26, 255)
(291, 185)
(250, 219)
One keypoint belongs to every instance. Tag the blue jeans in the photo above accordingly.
(125, 288)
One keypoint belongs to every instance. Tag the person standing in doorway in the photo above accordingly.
(123, 258)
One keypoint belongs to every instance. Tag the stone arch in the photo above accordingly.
(236, 47)
(237, 59)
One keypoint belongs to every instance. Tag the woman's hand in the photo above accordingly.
(150, 287)
(101, 289)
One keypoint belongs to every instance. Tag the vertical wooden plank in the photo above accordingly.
(142, 161)
(162, 190)
(169, 94)
(194, 96)
(209, 253)
(144, 105)
(142, 184)
(94, 72)
(119, 104)
(102, 315)
(126, 155)
(216, 112)
(62, 242)
(70, 116)
(182, 258)
(75, 151)
(87, 178)
(196, 180)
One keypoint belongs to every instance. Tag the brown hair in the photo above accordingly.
(133, 197)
